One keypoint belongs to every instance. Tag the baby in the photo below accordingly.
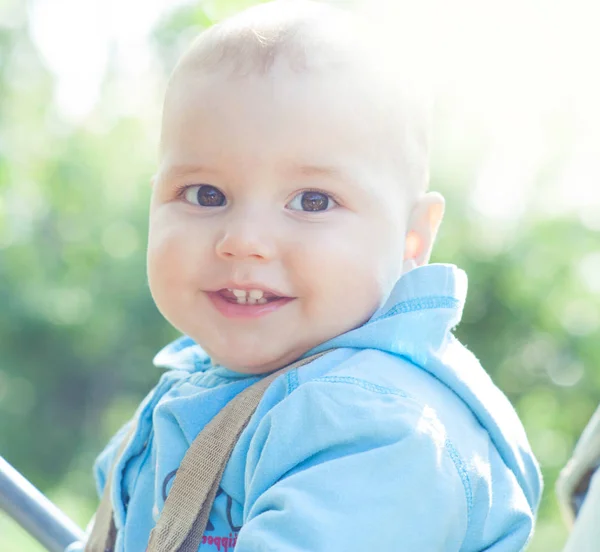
(290, 216)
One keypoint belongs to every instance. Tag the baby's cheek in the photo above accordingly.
(162, 253)
(168, 266)
(173, 242)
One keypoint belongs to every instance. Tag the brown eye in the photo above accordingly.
(206, 196)
(311, 201)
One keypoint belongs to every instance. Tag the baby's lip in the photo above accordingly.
(269, 292)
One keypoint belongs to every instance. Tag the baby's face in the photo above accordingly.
(277, 219)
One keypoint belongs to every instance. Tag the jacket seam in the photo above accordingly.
(362, 383)
(423, 303)
(292, 380)
(464, 476)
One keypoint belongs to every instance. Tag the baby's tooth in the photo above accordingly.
(256, 293)
(251, 301)
(261, 301)
(239, 292)
(241, 300)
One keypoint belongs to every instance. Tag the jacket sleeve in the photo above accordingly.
(342, 464)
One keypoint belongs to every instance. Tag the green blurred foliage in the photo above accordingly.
(78, 328)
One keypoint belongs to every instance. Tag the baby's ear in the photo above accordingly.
(423, 225)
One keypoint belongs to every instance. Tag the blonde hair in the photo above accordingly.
(312, 37)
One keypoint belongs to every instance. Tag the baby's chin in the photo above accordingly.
(256, 364)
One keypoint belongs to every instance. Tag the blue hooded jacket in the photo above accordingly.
(394, 440)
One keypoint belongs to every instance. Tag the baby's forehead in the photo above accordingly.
(312, 39)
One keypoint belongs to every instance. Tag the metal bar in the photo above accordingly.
(34, 512)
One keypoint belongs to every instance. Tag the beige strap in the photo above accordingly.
(104, 533)
(185, 514)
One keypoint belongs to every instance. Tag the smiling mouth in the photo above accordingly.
(248, 297)
(246, 304)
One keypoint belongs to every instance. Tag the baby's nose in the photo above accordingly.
(246, 239)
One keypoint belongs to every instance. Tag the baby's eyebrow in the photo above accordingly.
(345, 175)
(336, 173)
(322, 170)
(177, 171)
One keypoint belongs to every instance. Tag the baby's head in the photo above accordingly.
(291, 190)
